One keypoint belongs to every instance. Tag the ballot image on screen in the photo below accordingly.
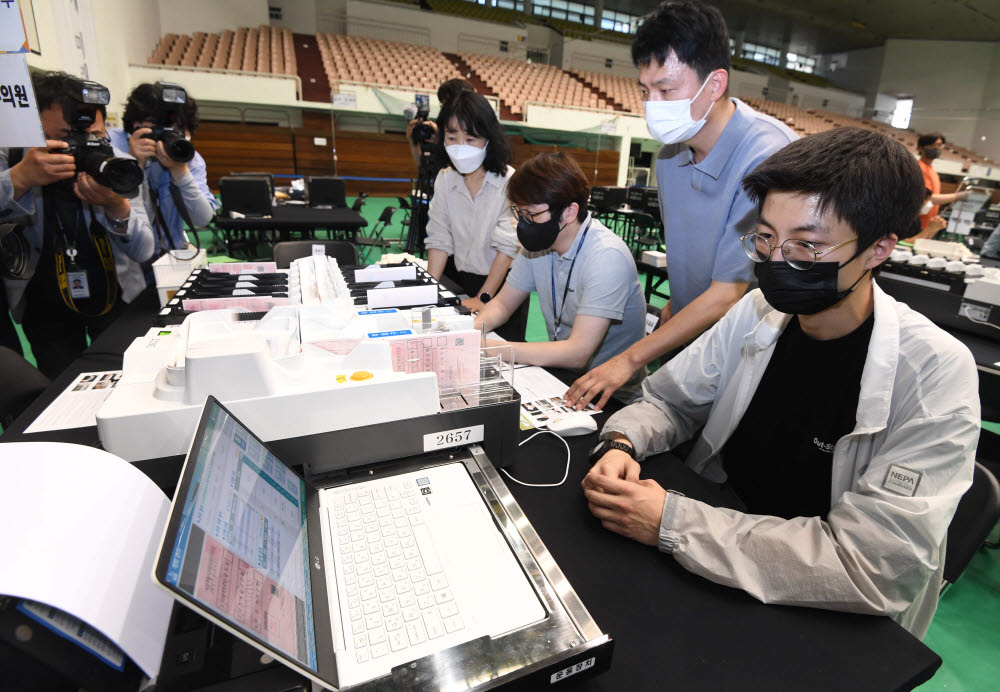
(241, 549)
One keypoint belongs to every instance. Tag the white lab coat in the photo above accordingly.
(881, 549)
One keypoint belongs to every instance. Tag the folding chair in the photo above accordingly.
(366, 243)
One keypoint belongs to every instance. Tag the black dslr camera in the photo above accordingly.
(421, 110)
(169, 122)
(92, 153)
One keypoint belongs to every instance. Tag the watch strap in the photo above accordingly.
(621, 447)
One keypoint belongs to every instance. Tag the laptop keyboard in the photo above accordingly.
(397, 592)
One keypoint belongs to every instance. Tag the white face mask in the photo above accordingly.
(465, 157)
(926, 209)
(670, 121)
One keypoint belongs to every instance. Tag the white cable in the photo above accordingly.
(966, 315)
(543, 485)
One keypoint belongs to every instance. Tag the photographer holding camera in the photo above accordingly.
(82, 238)
(159, 120)
(421, 129)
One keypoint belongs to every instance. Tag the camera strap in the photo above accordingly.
(64, 249)
(161, 225)
(182, 208)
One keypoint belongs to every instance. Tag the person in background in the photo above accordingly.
(173, 190)
(76, 228)
(844, 421)
(929, 148)
(710, 142)
(445, 93)
(471, 235)
(583, 273)
(934, 224)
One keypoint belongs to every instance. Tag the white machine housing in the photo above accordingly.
(263, 372)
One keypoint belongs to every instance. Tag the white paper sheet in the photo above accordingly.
(77, 406)
(79, 530)
(541, 396)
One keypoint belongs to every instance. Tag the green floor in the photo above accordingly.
(966, 628)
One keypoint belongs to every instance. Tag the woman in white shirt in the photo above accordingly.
(471, 234)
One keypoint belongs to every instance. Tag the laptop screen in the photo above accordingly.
(241, 549)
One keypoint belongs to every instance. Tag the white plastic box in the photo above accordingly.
(170, 273)
(655, 258)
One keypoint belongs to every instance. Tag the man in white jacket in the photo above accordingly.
(846, 422)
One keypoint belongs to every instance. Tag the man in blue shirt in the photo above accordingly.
(583, 273)
(168, 182)
(710, 142)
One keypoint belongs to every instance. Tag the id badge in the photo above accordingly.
(79, 287)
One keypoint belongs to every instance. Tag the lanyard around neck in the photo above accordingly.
(557, 314)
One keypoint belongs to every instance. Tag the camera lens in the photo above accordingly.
(178, 148)
(122, 175)
(14, 251)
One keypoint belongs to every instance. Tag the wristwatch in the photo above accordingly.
(119, 224)
(485, 297)
(604, 446)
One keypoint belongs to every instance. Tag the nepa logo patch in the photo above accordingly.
(901, 481)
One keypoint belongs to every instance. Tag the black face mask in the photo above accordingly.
(797, 292)
(932, 153)
(535, 237)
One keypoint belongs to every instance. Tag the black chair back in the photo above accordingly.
(359, 202)
(341, 250)
(977, 513)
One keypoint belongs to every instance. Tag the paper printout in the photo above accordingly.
(76, 630)
(454, 356)
(541, 396)
(79, 529)
(243, 268)
(251, 303)
(77, 406)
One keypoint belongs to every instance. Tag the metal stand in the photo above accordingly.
(420, 201)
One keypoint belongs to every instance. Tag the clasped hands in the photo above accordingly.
(624, 503)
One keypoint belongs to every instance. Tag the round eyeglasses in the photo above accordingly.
(525, 215)
(798, 254)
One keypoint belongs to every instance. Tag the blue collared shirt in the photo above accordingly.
(604, 283)
(199, 200)
(704, 207)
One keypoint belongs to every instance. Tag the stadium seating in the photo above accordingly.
(621, 91)
(271, 50)
(263, 49)
(517, 81)
(360, 59)
(809, 121)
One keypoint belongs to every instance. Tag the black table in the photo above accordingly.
(673, 629)
(286, 219)
(655, 277)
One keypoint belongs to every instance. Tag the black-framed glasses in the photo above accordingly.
(798, 254)
(525, 215)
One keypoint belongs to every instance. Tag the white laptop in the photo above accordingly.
(341, 583)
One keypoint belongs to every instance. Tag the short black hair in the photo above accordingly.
(553, 179)
(142, 103)
(53, 89)
(448, 89)
(696, 32)
(190, 110)
(927, 139)
(869, 180)
(477, 117)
